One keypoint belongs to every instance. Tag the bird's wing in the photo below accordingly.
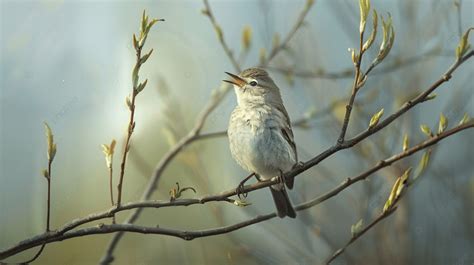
(287, 133)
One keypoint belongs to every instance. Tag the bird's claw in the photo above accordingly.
(240, 191)
(281, 178)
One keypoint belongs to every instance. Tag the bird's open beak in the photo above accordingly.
(236, 80)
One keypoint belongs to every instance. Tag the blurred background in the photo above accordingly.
(69, 63)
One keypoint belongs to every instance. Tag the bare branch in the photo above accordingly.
(136, 89)
(382, 216)
(220, 35)
(387, 68)
(355, 87)
(193, 135)
(59, 234)
(299, 22)
(65, 232)
(361, 136)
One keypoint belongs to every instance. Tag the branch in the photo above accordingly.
(57, 236)
(355, 86)
(193, 135)
(136, 89)
(299, 22)
(382, 216)
(385, 163)
(220, 35)
(422, 97)
(394, 65)
(160, 168)
(66, 233)
(301, 122)
(179, 146)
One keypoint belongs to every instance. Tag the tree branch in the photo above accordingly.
(299, 22)
(66, 233)
(355, 87)
(220, 36)
(381, 217)
(387, 68)
(193, 135)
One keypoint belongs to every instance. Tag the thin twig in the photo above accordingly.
(65, 232)
(160, 168)
(384, 163)
(393, 65)
(382, 216)
(48, 213)
(301, 122)
(422, 97)
(57, 235)
(355, 88)
(217, 27)
(283, 45)
(110, 186)
(131, 125)
(458, 5)
(193, 135)
(47, 174)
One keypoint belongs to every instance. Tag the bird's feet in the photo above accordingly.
(281, 178)
(240, 189)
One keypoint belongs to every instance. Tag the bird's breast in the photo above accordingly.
(256, 142)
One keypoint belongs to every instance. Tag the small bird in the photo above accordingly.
(260, 135)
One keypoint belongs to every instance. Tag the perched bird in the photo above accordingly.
(260, 135)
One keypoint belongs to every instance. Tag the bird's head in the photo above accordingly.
(254, 85)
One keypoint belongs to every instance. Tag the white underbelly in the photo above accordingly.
(263, 151)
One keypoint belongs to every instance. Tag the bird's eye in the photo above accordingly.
(253, 83)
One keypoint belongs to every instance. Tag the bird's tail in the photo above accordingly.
(282, 203)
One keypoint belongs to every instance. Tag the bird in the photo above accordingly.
(261, 140)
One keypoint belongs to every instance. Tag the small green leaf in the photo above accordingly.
(405, 142)
(220, 34)
(53, 152)
(246, 37)
(372, 36)
(391, 198)
(45, 173)
(387, 40)
(403, 182)
(128, 102)
(144, 22)
(463, 45)
(364, 6)
(276, 40)
(357, 227)
(141, 86)
(375, 118)
(465, 119)
(423, 164)
(262, 55)
(135, 42)
(431, 97)
(426, 130)
(108, 151)
(50, 141)
(145, 57)
(241, 203)
(205, 12)
(152, 23)
(354, 56)
(443, 123)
